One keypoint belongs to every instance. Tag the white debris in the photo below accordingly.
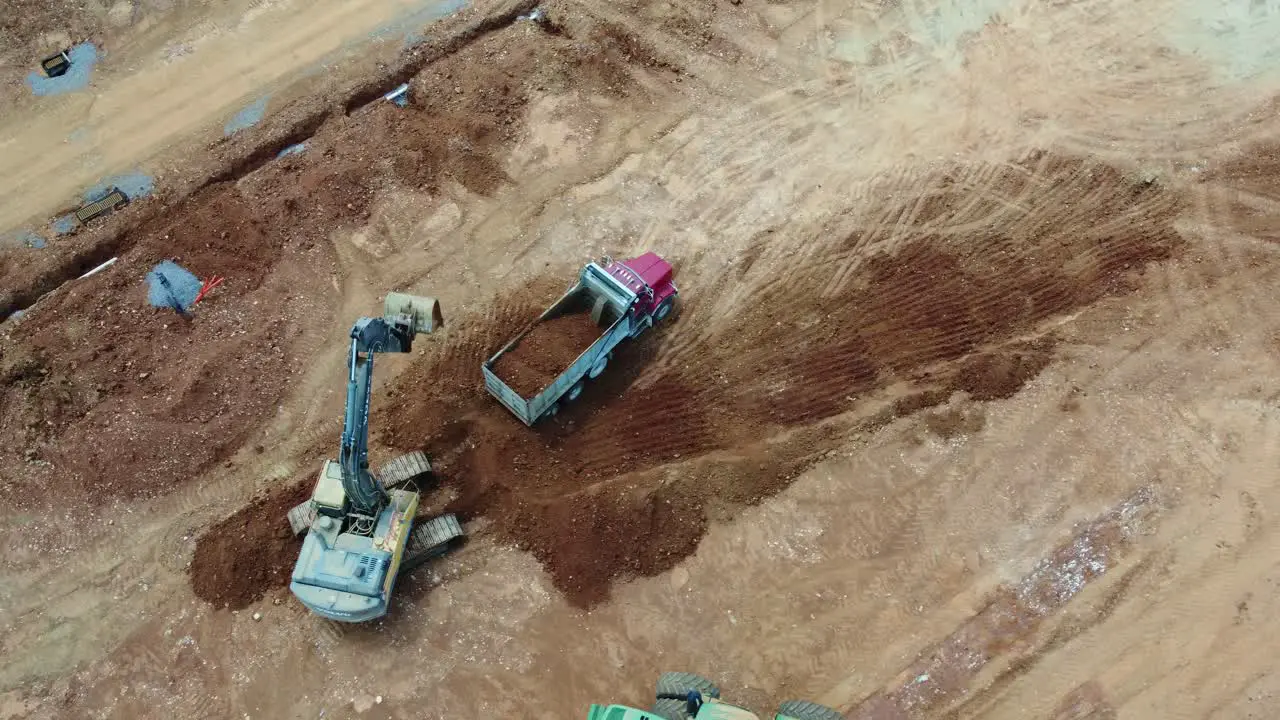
(98, 269)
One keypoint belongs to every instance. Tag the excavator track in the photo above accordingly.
(411, 467)
(429, 539)
(301, 516)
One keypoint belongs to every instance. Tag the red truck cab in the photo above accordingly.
(649, 277)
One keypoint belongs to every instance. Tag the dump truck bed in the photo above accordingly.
(597, 298)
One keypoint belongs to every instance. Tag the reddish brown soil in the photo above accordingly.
(548, 349)
(594, 494)
(466, 109)
(1251, 176)
(996, 375)
(104, 396)
(224, 574)
(941, 313)
(472, 89)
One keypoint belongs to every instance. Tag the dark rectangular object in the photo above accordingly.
(113, 200)
(56, 65)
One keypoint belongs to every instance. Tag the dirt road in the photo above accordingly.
(187, 77)
(969, 410)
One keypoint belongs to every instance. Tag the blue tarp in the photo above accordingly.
(22, 238)
(172, 286)
(251, 115)
(83, 57)
(135, 184)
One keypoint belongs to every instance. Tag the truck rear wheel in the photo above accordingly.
(598, 369)
(677, 685)
(574, 391)
(803, 710)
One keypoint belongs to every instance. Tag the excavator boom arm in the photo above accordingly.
(368, 336)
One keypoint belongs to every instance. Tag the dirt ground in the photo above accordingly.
(548, 350)
(964, 413)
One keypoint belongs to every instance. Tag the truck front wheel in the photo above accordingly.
(664, 309)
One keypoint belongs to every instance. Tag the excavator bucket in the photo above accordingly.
(425, 311)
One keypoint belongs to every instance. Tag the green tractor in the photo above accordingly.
(685, 696)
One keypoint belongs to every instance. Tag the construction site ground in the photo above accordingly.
(969, 408)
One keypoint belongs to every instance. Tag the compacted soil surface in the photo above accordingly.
(967, 411)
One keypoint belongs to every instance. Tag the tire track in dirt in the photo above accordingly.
(941, 301)
(1240, 191)
(1226, 262)
(1229, 211)
(740, 151)
(959, 215)
(722, 160)
(1012, 615)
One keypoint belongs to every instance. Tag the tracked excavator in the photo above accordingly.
(360, 530)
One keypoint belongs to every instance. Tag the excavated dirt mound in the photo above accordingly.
(624, 481)
(550, 347)
(104, 396)
(224, 574)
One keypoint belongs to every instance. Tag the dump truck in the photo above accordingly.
(549, 363)
(686, 696)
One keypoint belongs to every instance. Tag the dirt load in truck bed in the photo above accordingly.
(548, 350)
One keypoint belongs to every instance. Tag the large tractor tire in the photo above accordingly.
(677, 685)
(670, 709)
(803, 710)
